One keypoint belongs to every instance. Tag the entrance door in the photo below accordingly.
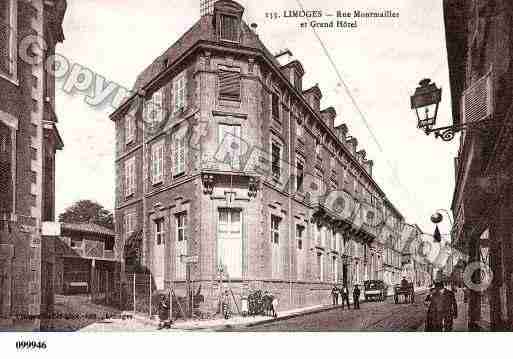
(229, 241)
(159, 254)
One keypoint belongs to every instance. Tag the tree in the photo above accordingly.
(86, 211)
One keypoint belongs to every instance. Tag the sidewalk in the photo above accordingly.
(238, 321)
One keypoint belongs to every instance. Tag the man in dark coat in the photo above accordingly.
(442, 310)
(356, 297)
(344, 296)
(334, 294)
(451, 310)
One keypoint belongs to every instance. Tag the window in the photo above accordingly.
(8, 39)
(317, 235)
(300, 230)
(130, 177)
(157, 162)
(230, 84)
(320, 182)
(130, 223)
(180, 92)
(320, 267)
(299, 236)
(229, 137)
(181, 227)
(275, 245)
(7, 173)
(159, 231)
(300, 174)
(153, 112)
(276, 160)
(275, 105)
(229, 28)
(179, 152)
(181, 247)
(129, 128)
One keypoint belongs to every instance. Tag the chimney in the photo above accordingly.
(313, 96)
(328, 116)
(294, 72)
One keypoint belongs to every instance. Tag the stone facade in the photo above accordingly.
(28, 141)
(479, 46)
(222, 155)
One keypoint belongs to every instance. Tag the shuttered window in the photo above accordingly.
(154, 108)
(179, 152)
(6, 167)
(180, 92)
(157, 162)
(229, 28)
(229, 85)
(8, 15)
(130, 177)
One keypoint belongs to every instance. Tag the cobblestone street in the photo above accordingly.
(373, 316)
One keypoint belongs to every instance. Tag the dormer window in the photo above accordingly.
(229, 30)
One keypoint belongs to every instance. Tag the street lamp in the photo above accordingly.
(425, 101)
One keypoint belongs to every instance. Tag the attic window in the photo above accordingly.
(229, 29)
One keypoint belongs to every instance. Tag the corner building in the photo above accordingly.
(222, 155)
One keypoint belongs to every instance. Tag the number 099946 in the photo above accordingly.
(30, 345)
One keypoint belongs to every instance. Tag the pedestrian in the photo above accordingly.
(164, 319)
(438, 308)
(356, 297)
(451, 309)
(334, 294)
(344, 296)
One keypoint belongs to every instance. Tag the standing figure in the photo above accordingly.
(437, 310)
(344, 296)
(334, 294)
(451, 309)
(164, 319)
(356, 297)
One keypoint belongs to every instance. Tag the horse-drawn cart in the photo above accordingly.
(405, 289)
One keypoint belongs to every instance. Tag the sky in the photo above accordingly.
(381, 62)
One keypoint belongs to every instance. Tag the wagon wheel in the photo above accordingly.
(396, 298)
(413, 297)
